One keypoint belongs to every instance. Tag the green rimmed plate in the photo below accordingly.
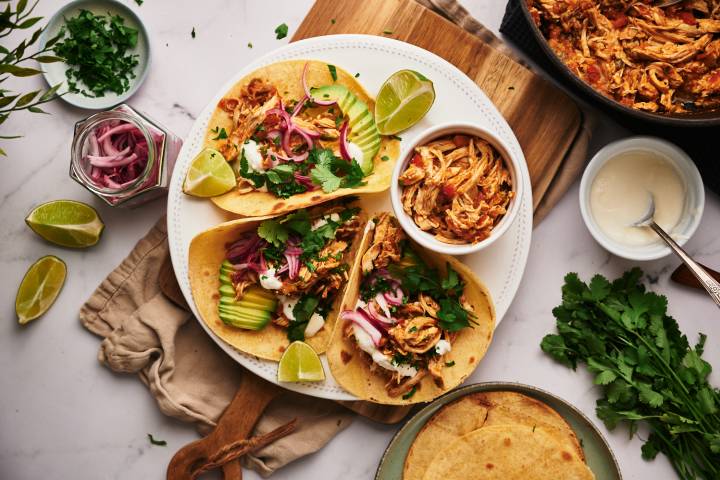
(598, 455)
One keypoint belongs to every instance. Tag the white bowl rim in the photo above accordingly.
(681, 162)
(424, 238)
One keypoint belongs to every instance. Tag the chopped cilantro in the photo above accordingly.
(332, 20)
(395, 137)
(388, 32)
(321, 175)
(384, 158)
(399, 359)
(192, 33)
(281, 31)
(333, 72)
(139, 2)
(450, 363)
(305, 307)
(410, 393)
(357, 75)
(250, 45)
(220, 134)
(98, 52)
(154, 441)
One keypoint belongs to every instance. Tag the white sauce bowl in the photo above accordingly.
(689, 175)
(426, 239)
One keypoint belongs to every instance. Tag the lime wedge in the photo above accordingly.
(66, 223)
(39, 288)
(209, 175)
(403, 100)
(300, 363)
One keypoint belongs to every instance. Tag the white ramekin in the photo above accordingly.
(694, 196)
(429, 241)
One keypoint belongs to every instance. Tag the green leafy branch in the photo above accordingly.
(13, 63)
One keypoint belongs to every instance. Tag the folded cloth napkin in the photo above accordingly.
(189, 376)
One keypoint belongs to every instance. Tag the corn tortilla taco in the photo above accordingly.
(414, 324)
(290, 151)
(480, 410)
(260, 284)
(507, 452)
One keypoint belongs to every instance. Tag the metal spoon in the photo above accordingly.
(710, 284)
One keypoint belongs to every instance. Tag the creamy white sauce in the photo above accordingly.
(324, 220)
(253, 156)
(315, 324)
(442, 347)
(288, 304)
(355, 152)
(620, 196)
(366, 345)
(269, 281)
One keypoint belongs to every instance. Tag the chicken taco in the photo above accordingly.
(414, 324)
(298, 133)
(260, 284)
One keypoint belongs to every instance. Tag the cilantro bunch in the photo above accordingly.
(322, 167)
(646, 367)
(96, 48)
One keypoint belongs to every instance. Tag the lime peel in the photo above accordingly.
(67, 223)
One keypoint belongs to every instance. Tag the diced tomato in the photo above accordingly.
(619, 20)
(448, 191)
(417, 160)
(715, 77)
(687, 17)
(461, 140)
(593, 73)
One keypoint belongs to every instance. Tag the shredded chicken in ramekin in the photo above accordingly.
(457, 188)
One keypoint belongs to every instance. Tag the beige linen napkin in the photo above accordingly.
(189, 376)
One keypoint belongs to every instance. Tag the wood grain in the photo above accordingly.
(544, 119)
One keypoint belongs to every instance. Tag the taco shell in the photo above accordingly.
(351, 367)
(286, 76)
(206, 254)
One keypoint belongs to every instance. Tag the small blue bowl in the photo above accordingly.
(54, 73)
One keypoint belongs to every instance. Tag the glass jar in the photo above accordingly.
(146, 183)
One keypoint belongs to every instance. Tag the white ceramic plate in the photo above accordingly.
(500, 266)
(54, 73)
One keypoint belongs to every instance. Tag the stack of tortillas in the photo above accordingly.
(496, 435)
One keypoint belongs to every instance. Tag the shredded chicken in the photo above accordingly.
(385, 247)
(457, 188)
(649, 58)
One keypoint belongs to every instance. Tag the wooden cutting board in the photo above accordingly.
(544, 119)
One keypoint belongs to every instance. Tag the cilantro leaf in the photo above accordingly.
(154, 441)
(221, 134)
(333, 72)
(321, 175)
(273, 232)
(410, 393)
(281, 31)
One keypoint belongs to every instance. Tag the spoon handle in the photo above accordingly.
(711, 285)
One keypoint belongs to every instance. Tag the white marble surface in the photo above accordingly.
(62, 415)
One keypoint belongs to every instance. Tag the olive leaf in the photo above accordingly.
(16, 62)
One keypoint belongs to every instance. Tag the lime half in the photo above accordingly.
(300, 363)
(39, 288)
(209, 175)
(403, 100)
(66, 223)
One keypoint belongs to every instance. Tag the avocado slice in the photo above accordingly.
(362, 122)
(253, 311)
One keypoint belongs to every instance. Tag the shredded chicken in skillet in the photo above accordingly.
(664, 60)
(457, 188)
